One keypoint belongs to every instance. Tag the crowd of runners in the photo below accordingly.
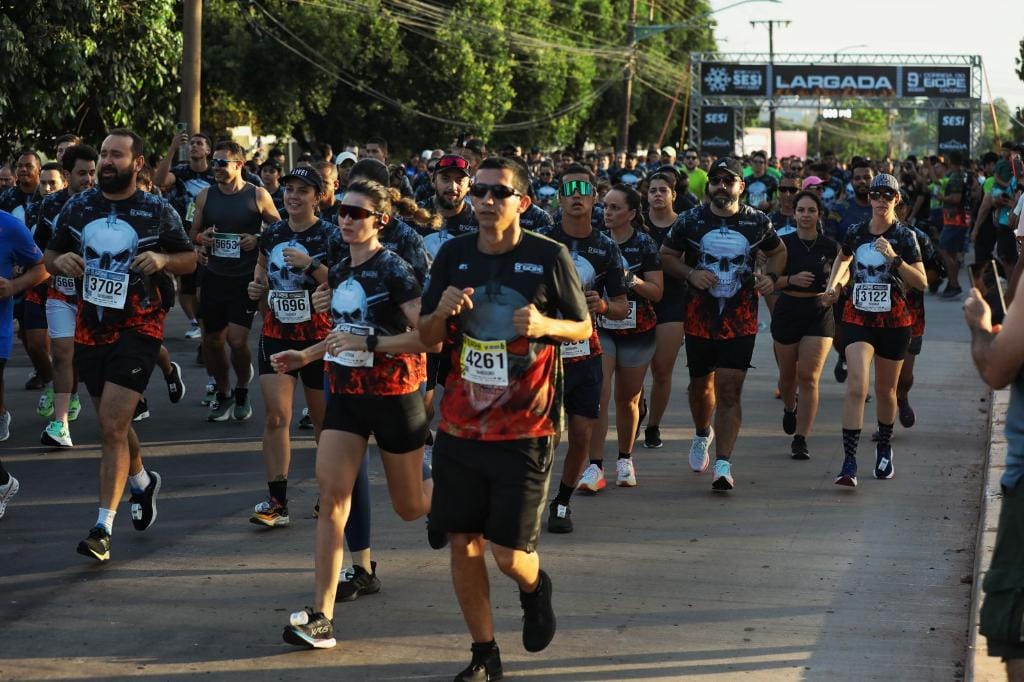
(533, 291)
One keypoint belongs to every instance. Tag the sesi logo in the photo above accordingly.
(954, 120)
(716, 118)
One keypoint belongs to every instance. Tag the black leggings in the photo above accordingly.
(3, 366)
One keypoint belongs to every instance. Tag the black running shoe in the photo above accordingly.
(97, 545)
(559, 518)
(798, 448)
(652, 437)
(840, 371)
(310, 629)
(883, 462)
(848, 475)
(538, 616)
(175, 386)
(143, 505)
(789, 421)
(484, 667)
(358, 583)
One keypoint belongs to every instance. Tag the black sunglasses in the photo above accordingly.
(355, 212)
(885, 193)
(723, 180)
(500, 192)
(223, 163)
(788, 190)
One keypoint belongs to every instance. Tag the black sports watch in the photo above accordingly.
(895, 263)
(313, 266)
(371, 342)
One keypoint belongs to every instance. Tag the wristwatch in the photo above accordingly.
(895, 263)
(371, 342)
(313, 266)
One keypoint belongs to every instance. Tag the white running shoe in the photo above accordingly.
(699, 448)
(194, 332)
(7, 492)
(56, 433)
(592, 480)
(626, 473)
(723, 476)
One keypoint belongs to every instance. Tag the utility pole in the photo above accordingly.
(630, 68)
(191, 63)
(771, 23)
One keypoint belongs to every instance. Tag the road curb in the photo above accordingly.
(980, 666)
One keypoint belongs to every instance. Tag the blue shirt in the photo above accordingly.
(17, 250)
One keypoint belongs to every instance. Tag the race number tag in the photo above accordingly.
(64, 284)
(227, 245)
(872, 298)
(352, 358)
(105, 288)
(576, 349)
(628, 322)
(290, 307)
(484, 362)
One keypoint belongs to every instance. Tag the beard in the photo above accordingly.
(722, 199)
(120, 181)
(443, 203)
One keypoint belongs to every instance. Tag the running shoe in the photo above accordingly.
(310, 629)
(840, 371)
(907, 415)
(652, 438)
(243, 408)
(789, 421)
(355, 582)
(798, 448)
(643, 416)
(220, 408)
(97, 545)
(699, 448)
(211, 392)
(44, 408)
(559, 518)
(143, 505)
(848, 475)
(35, 382)
(592, 481)
(175, 386)
(270, 513)
(306, 422)
(483, 667)
(56, 434)
(951, 293)
(5, 425)
(883, 462)
(538, 616)
(7, 493)
(141, 410)
(723, 476)
(625, 473)
(74, 407)
(194, 332)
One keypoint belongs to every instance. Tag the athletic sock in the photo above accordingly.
(851, 438)
(279, 491)
(483, 647)
(625, 455)
(222, 397)
(105, 520)
(704, 433)
(139, 482)
(599, 463)
(884, 433)
(564, 493)
(241, 394)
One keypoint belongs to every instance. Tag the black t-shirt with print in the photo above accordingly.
(871, 267)
(535, 218)
(726, 247)
(760, 189)
(280, 278)
(783, 224)
(815, 256)
(188, 184)
(536, 271)
(397, 236)
(640, 255)
(455, 226)
(368, 298)
(109, 235)
(17, 203)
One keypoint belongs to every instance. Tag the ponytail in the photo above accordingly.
(407, 208)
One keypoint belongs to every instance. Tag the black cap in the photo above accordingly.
(308, 175)
(726, 165)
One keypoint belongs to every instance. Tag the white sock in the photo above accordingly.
(139, 482)
(105, 520)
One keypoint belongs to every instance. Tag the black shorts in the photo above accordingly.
(1006, 244)
(494, 488)
(915, 345)
(439, 365)
(225, 300)
(582, 393)
(1002, 612)
(797, 317)
(30, 315)
(312, 374)
(704, 356)
(188, 284)
(397, 422)
(127, 362)
(889, 343)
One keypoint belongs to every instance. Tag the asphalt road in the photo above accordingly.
(788, 577)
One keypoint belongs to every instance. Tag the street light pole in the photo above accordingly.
(191, 63)
(630, 68)
(770, 23)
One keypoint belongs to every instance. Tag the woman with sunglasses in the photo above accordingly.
(885, 261)
(627, 344)
(802, 323)
(374, 365)
(289, 268)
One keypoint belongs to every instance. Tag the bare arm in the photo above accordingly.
(23, 282)
(197, 220)
(998, 356)
(652, 288)
(266, 205)
(162, 176)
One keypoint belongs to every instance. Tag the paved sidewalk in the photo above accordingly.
(786, 578)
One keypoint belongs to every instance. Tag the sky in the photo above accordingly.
(992, 29)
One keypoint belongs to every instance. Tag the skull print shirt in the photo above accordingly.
(726, 247)
(598, 264)
(283, 278)
(368, 298)
(871, 267)
(640, 256)
(17, 203)
(524, 398)
(40, 218)
(455, 226)
(109, 235)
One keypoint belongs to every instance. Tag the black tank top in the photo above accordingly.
(232, 214)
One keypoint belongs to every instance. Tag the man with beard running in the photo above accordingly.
(120, 241)
(713, 248)
(451, 186)
(228, 221)
(16, 199)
